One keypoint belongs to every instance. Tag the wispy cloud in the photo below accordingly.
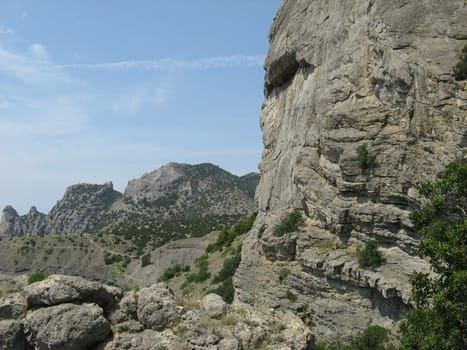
(6, 31)
(168, 64)
(32, 67)
(135, 99)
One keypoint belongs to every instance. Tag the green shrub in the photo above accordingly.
(226, 290)
(173, 271)
(460, 69)
(372, 338)
(36, 277)
(203, 273)
(283, 274)
(228, 269)
(364, 158)
(226, 237)
(289, 223)
(370, 256)
(291, 296)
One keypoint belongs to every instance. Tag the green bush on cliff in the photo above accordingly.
(460, 69)
(364, 158)
(36, 277)
(289, 223)
(372, 338)
(370, 256)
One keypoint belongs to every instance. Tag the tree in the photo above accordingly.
(439, 318)
(460, 69)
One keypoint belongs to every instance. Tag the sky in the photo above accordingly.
(96, 91)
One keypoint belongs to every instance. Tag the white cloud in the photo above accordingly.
(135, 99)
(168, 64)
(35, 67)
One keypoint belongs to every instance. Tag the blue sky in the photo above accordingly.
(95, 91)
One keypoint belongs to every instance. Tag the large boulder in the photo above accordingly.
(213, 305)
(66, 327)
(156, 306)
(12, 305)
(58, 289)
(12, 336)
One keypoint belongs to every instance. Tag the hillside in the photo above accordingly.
(173, 202)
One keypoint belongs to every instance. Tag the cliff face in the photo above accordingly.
(341, 75)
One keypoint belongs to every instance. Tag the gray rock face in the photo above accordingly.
(58, 289)
(156, 307)
(66, 327)
(12, 305)
(340, 75)
(12, 336)
(187, 192)
(213, 305)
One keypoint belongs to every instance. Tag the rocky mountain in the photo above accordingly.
(360, 105)
(177, 199)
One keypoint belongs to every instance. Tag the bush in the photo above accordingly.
(291, 296)
(226, 237)
(460, 69)
(370, 256)
(372, 338)
(289, 223)
(173, 271)
(226, 290)
(36, 277)
(364, 158)
(203, 273)
(283, 274)
(228, 269)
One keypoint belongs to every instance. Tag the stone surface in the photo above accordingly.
(66, 327)
(12, 336)
(12, 305)
(213, 305)
(340, 75)
(156, 306)
(58, 289)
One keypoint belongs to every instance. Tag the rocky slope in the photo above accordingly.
(64, 312)
(178, 199)
(343, 76)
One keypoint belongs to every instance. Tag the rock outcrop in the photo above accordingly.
(149, 318)
(368, 75)
(198, 197)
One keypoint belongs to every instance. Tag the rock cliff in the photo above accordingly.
(360, 105)
(181, 198)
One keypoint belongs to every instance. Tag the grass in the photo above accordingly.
(291, 296)
(36, 277)
(283, 275)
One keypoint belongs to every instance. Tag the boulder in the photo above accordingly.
(12, 336)
(213, 305)
(58, 289)
(12, 305)
(156, 306)
(66, 327)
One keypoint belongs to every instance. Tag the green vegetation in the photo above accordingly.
(283, 275)
(439, 318)
(226, 290)
(203, 273)
(291, 296)
(226, 237)
(36, 277)
(289, 223)
(364, 158)
(228, 269)
(370, 256)
(460, 69)
(372, 338)
(173, 271)
(110, 259)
